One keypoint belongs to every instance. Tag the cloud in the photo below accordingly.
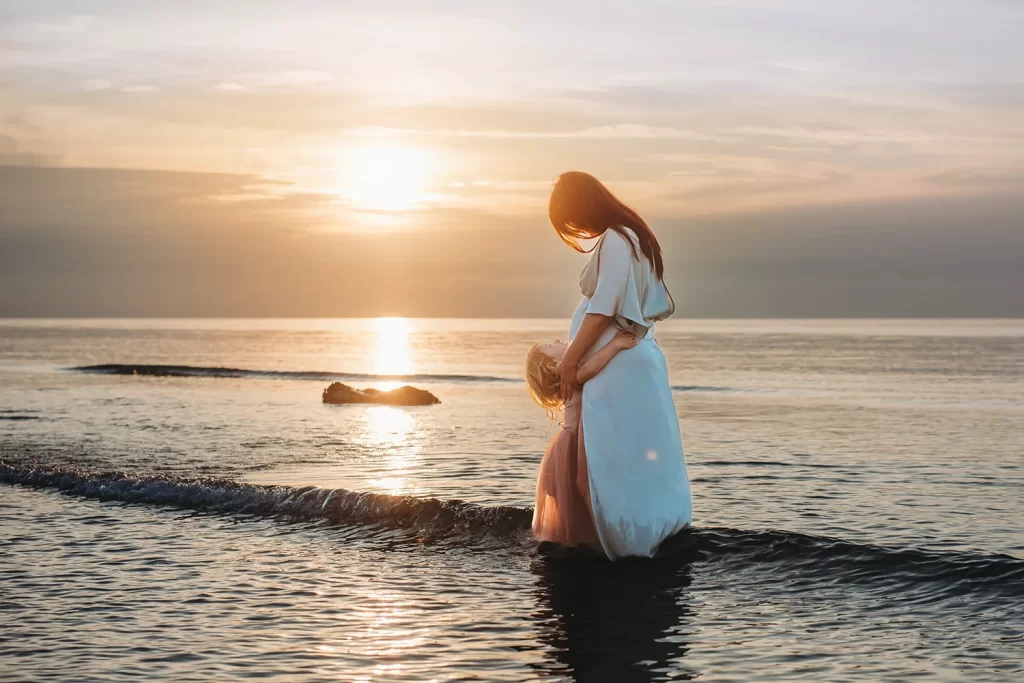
(978, 178)
(163, 243)
(742, 180)
(811, 66)
(627, 131)
(60, 26)
(766, 91)
(1005, 95)
(11, 154)
(95, 84)
(290, 78)
(841, 136)
(140, 88)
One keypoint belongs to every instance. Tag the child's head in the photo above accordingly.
(542, 374)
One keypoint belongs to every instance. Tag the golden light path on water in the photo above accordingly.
(392, 429)
(392, 632)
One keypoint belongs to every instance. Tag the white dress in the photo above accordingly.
(639, 488)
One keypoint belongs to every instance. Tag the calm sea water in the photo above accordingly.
(191, 510)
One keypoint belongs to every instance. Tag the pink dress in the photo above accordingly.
(562, 512)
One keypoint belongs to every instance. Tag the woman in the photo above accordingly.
(638, 486)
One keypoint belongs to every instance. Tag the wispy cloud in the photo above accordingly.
(973, 178)
(12, 154)
(847, 136)
(289, 78)
(122, 256)
(96, 84)
(140, 88)
(811, 66)
(780, 111)
(55, 26)
(763, 90)
(625, 131)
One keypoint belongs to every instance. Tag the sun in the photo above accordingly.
(385, 177)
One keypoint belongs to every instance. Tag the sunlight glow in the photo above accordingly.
(392, 357)
(388, 426)
(392, 430)
(395, 629)
(385, 177)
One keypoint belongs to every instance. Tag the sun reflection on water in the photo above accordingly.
(388, 426)
(393, 430)
(394, 630)
(390, 430)
(392, 350)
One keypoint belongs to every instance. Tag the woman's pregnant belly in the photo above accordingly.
(606, 336)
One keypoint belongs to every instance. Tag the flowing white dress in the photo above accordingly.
(639, 488)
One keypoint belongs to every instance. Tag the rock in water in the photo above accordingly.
(402, 396)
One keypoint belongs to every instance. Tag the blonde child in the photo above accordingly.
(562, 511)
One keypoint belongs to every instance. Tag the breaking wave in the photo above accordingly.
(312, 375)
(432, 520)
(240, 373)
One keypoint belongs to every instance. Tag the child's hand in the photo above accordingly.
(624, 340)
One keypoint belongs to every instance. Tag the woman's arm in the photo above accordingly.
(596, 363)
(591, 328)
(615, 259)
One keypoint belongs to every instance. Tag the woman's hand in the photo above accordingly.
(568, 385)
(591, 328)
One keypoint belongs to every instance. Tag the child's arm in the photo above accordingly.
(596, 363)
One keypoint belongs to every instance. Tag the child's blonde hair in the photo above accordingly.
(542, 380)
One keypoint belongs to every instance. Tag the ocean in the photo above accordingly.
(176, 503)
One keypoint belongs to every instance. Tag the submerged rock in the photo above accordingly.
(402, 396)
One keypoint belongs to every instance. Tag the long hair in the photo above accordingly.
(581, 208)
(542, 380)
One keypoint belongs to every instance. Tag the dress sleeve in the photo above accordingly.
(616, 293)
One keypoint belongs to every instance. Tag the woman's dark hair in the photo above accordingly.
(581, 208)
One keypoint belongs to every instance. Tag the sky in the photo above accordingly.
(795, 158)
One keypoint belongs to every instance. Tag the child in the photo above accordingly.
(562, 512)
